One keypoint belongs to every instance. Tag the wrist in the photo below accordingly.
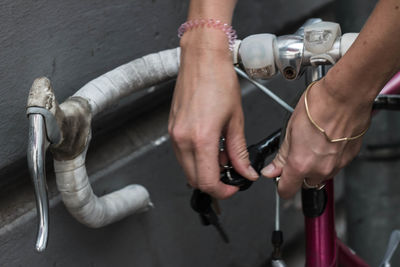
(211, 33)
(336, 116)
(350, 92)
(346, 84)
(341, 116)
(206, 43)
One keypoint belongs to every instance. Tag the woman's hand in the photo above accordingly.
(207, 105)
(341, 104)
(306, 153)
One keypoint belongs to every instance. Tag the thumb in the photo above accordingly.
(274, 169)
(237, 151)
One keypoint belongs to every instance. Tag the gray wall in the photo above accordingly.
(72, 42)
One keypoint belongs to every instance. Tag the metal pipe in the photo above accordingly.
(321, 248)
(393, 86)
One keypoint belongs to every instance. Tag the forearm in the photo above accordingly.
(373, 58)
(207, 103)
(208, 40)
(212, 9)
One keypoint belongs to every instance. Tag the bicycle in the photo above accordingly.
(292, 58)
(66, 130)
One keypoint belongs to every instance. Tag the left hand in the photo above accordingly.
(306, 153)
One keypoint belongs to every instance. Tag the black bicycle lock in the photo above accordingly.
(257, 155)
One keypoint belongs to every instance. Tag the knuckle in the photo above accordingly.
(223, 195)
(206, 187)
(327, 168)
(241, 150)
(170, 128)
(324, 170)
(280, 159)
(201, 138)
(299, 165)
(179, 134)
(191, 183)
(343, 162)
(236, 146)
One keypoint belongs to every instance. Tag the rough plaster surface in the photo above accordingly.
(72, 42)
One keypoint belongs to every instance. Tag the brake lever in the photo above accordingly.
(257, 154)
(37, 146)
(43, 131)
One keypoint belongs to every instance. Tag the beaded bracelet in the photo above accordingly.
(216, 24)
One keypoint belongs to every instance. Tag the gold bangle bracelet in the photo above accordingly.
(322, 130)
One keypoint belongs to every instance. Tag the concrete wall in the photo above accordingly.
(73, 42)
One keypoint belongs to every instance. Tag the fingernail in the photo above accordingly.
(267, 171)
(252, 172)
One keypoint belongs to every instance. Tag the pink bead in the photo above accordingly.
(216, 24)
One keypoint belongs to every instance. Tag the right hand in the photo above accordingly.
(207, 105)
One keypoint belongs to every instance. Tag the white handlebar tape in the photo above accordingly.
(71, 176)
(92, 211)
(124, 80)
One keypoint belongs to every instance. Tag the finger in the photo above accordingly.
(183, 151)
(291, 179)
(185, 158)
(237, 149)
(274, 169)
(293, 174)
(289, 183)
(207, 168)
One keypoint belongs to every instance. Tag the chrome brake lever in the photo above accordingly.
(37, 146)
(43, 131)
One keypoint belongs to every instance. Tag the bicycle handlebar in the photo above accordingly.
(66, 127)
(315, 43)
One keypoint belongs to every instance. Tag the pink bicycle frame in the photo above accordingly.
(323, 248)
